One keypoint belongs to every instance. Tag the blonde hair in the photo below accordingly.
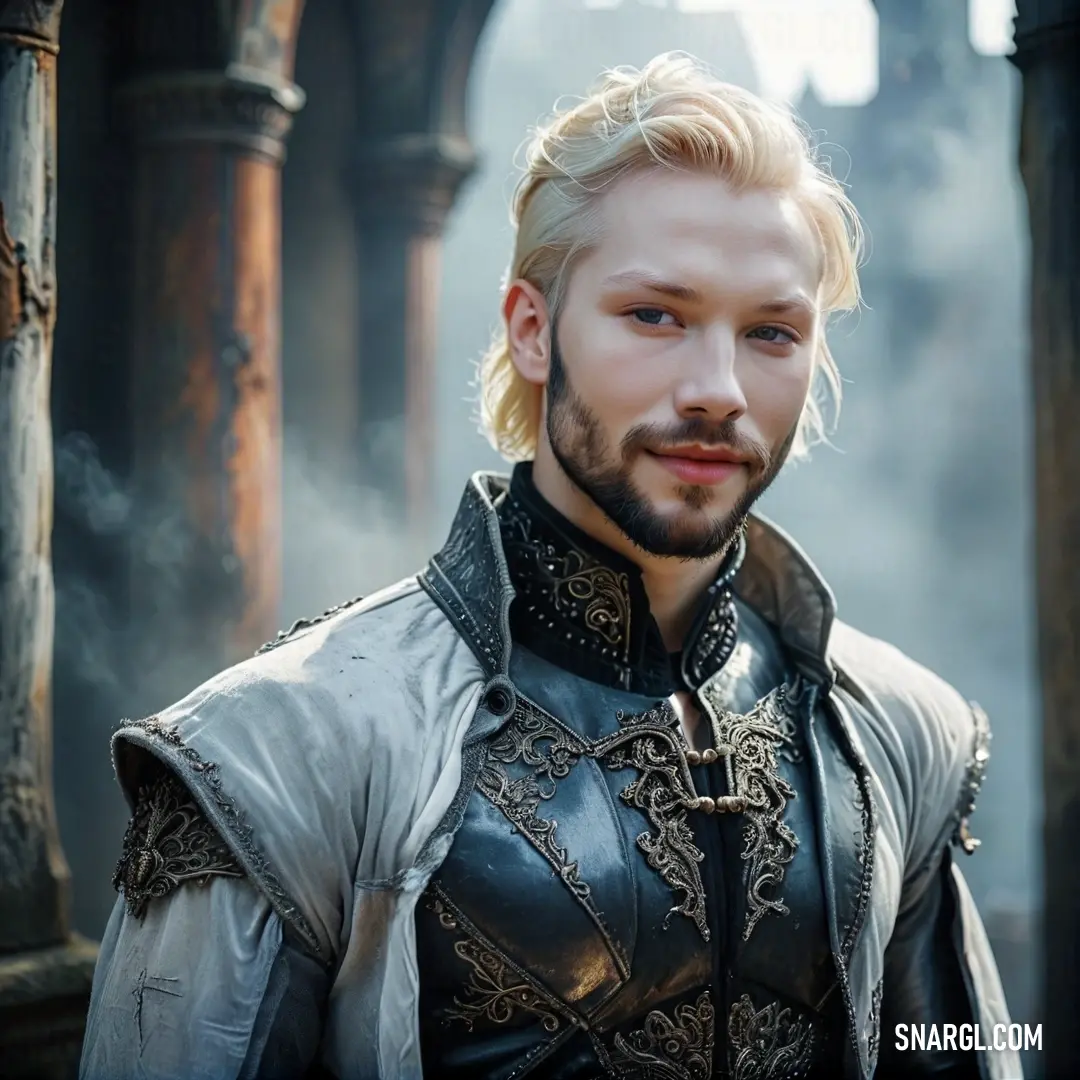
(673, 113)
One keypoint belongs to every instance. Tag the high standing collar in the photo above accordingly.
(471, 579)
(584, 607)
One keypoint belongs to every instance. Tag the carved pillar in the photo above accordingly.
(210, 105)
(44, 970)
(413, 62)
(1047, 44)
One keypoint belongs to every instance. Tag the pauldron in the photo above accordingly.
(168, 842)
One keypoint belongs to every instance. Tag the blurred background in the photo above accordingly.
(394, 238)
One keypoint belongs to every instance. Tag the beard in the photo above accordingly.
(580, 447)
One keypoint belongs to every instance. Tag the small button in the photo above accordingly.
(498, 701)
(693, 757)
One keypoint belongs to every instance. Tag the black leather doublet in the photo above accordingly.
(595, 917)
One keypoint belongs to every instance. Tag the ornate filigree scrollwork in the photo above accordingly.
(518, 799)
(676, 1047)
(536, 739)
(789, 747)
(664, 791)
(497, 989)
(206, 775)
(772, 1043)
(168, 841)
(567, 582)
(469, 581)
(602, 592)
(651, 744)
(749, 745)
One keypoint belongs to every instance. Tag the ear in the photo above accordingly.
(528, 331)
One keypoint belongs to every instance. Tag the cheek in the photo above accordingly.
(776, 393)
(616, 374)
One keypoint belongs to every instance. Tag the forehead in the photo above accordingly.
(692, 228)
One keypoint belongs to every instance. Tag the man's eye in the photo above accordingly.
(651, 316)
(775, 335)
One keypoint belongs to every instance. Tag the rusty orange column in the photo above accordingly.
(206, 397)
(412, 157)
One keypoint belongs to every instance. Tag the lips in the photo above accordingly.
(701, 466)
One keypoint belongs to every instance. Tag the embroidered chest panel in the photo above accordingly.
(576, 897)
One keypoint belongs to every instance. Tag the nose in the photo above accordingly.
(710, 387)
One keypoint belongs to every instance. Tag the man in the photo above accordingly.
(605, 790)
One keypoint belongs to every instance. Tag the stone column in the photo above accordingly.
(1047, 46)
(413, 155)
(209, 146)
(44, 970)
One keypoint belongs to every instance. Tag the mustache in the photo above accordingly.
(710, 434)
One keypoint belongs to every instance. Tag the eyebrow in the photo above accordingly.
(788, 305)
(641, 279)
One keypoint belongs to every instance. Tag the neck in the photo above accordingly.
(674, 586)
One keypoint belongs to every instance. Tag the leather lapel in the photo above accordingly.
(469, 579)
(845, 834)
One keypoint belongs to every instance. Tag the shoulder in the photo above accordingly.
(313, 758)
(917, 729)
(896, 680)
(398, 606)
(330, 684)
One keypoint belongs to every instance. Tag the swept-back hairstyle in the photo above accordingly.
(674, 114)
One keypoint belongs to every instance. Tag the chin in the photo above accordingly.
(687, 522)
(684, 513)
(697, 503)
(688, 535)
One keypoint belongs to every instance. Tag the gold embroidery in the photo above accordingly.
(664, 791)
(536, 739)
(603, 592)
(552, 760)
(749, 746)
(168, 841)
(649, 743)
(669, 1048)
(496, 989)
(570, 583)
(769, 1043)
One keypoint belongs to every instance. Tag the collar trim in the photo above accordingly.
(470, 580)
(584, 607)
